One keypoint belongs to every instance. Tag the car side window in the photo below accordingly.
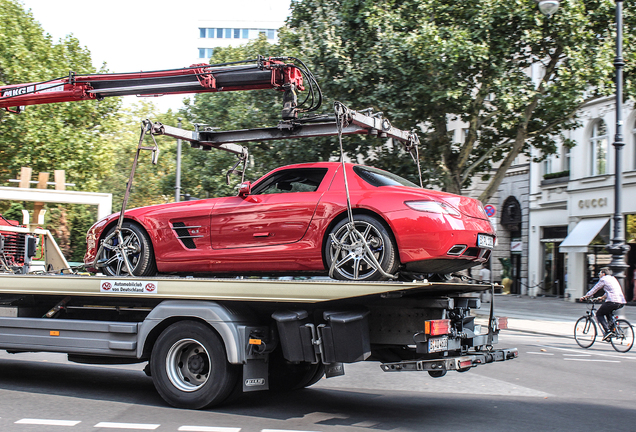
(292, 180)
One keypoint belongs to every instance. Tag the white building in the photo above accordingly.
(245, 21)
(572, 202)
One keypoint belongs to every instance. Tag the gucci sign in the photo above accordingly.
(593, 203)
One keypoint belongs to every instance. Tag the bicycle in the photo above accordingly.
(585, 331)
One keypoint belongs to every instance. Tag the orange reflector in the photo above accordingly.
(255, 342)
(502, 323)
(54, 333)
(437, 327)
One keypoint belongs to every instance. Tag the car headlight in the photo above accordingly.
(433, 207)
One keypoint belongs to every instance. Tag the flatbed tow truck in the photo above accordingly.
(207, 340)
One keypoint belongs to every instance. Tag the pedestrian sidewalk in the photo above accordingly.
(543, 315)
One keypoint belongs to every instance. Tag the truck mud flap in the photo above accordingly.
(458, 363)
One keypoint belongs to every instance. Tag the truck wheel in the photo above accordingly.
(190, 368)
(138, 250)
(437, 373)
(352, 261)
(286, 376)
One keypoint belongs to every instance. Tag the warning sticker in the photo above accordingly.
(128, 286)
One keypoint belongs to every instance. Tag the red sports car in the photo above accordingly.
(295, 220)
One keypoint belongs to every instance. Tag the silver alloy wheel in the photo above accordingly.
(188, 365)
(352, 260)
(113, 252)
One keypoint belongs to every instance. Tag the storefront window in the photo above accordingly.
(553, 261)
(597, 256)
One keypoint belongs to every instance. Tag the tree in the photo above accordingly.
(69, 136)
(46, 137)
(514, 76)
(243, 110)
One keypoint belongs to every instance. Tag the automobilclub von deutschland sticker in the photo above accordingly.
(128, 286)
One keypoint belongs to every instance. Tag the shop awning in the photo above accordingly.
(582, 235)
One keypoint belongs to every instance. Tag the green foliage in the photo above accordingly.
(513, 76)
(13, 212)
(242, 110)
(559, 174)
(48, 137)
(65, 136)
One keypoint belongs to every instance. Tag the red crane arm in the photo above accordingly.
(199, 78)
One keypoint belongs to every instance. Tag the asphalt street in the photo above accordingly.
(543, 315)
(553, 385)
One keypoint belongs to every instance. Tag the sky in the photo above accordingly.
(138, 35)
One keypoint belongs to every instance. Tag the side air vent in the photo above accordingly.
(183, 233)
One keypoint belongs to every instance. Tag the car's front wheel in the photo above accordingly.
(355, 255)
(131, 244)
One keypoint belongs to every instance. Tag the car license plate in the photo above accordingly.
(485, 241)
(438, 344)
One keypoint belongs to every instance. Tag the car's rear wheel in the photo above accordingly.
(348, 258)
(135, 245)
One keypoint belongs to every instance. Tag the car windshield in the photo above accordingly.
(292, 180)
(376, 177)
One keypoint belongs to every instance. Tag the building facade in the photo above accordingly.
(229, 28)
(571, 203)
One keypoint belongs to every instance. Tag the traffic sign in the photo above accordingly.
(490, 210)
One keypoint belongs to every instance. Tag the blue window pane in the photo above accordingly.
(209, 52)
(237, 33)
(201, 32)
(210, 32)
(228, 33)
(219, 33)
(201, 53)
(271, 34)
(246, 34)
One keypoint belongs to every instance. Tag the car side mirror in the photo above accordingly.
(245, 189)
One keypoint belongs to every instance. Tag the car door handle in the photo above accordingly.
(262, 234)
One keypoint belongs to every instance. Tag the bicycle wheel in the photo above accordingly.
(585, 332)
(624, 339)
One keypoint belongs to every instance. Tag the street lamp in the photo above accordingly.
(548, 7)
(618, 249)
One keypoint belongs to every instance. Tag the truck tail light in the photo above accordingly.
(437, 327)
(502, 323)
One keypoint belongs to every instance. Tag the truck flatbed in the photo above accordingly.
(246, 289)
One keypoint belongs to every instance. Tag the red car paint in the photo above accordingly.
(285, 232)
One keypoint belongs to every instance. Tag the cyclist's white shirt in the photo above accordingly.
(612, 289)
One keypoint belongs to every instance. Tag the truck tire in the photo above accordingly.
(138, 250)
(190, 368)
(352, 262)
(286, 376)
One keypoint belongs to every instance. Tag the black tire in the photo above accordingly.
(437, 373)
(624, 339)
(138, 250)
(190, 368)
(585, 332)
(353, 262)
(287, 376)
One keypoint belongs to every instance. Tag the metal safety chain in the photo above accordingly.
(121, 246)
(341, 122)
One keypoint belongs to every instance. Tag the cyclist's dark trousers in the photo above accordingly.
(605, 312)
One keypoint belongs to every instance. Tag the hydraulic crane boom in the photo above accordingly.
(263, 73)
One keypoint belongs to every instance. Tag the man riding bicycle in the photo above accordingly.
(613, 298)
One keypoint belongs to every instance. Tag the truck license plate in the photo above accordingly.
(438, 344)
(485, 241)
